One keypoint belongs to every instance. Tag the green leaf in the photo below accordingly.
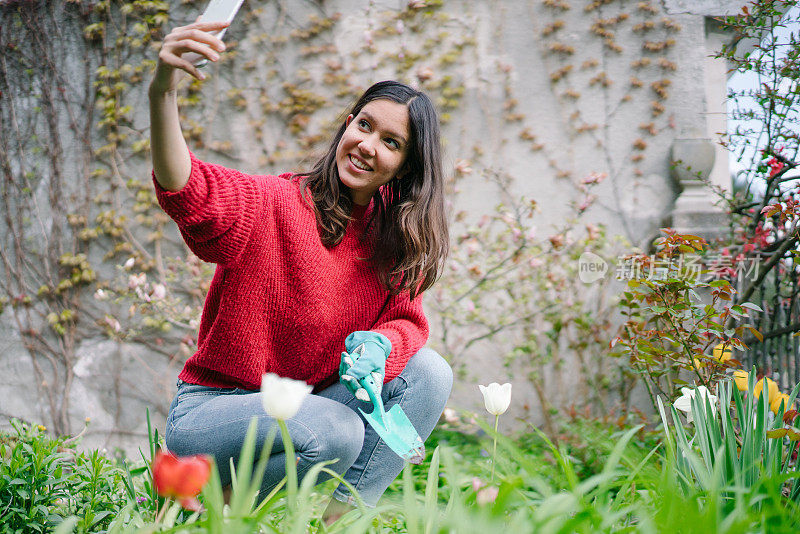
(431, 492)
(751, 306)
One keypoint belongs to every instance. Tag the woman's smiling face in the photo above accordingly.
(373, 148)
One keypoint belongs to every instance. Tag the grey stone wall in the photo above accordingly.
(511, 59)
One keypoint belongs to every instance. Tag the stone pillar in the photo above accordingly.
(695, 152)
(695, 210)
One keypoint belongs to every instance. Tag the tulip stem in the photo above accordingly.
(291, 466)
(494, 449)
(160, 514)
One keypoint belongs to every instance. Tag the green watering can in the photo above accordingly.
(393, 426)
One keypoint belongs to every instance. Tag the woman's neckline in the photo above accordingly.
(359, 211)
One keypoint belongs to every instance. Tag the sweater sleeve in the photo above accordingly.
(215, 211)
(405, 325)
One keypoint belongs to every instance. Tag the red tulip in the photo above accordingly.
(181, 477)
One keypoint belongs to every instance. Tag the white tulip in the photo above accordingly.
(684, 402)
(282, 397)
(497, 398)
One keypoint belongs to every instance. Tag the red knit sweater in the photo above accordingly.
(280, 301)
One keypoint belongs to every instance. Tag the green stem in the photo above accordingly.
(291, 466)
(160, 513)
(494, 449)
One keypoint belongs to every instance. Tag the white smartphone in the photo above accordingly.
(217, 11)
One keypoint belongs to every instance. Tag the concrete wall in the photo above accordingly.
(507, 69)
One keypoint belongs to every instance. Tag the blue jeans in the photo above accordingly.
(328, 426)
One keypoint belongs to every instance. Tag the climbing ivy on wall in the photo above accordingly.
(86, 250)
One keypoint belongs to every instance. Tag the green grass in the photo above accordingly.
(595, 477)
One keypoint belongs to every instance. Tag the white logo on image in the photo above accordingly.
(591, 267)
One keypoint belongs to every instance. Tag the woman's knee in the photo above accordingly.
(432, 372)
(340, 438)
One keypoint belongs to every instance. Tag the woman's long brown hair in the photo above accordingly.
(408, 223)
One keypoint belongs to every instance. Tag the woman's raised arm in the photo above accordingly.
(168, 148)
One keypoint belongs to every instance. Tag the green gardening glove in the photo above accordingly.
(364, 359)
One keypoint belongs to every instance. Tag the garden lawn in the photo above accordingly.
(596, 477)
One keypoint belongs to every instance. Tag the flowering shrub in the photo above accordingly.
(669, 327)
(764, 204)
(513, 289)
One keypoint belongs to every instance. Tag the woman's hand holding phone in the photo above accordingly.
(182, 47)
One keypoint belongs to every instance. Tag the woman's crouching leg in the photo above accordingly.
(322, 430)
(421, 390)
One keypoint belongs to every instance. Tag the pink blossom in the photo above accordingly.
(762, 237)
(112, 323)
(136, 280)
(368, 37)
(159, 292)
(535, 262)
(142, 295)
(450, 416)
(424, 74)
(469, 306)
(477, 483)
(594, 178)
(775, 166)
(101, 294)
(587, 202)
(463, 166)
(487, 495)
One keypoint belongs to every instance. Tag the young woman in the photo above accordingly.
(311, 268)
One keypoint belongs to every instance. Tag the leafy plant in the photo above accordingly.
(516, 291)
(739, 447)
(675, 314)
(764, 206)
(33, 477)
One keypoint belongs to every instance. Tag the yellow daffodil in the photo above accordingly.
(772, 386)
(722, 353)
(740, 379)
(775, 404)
